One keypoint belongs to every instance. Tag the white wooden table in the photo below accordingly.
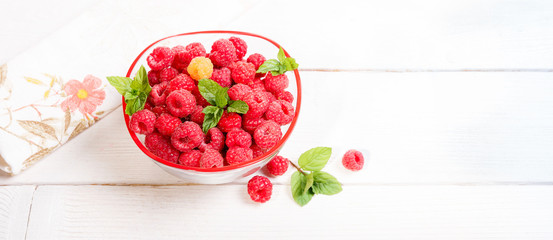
(453, 100)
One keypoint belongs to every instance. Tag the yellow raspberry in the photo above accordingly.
(200, 68)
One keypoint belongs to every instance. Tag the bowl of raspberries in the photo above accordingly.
(211, 107)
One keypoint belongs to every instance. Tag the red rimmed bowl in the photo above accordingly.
(256, 44)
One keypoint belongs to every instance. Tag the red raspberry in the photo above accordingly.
(222, 77)
(229, 121)
(237, 155)
(143, 121)
(187, 136)
(257, 84)
(159, 93)
(240, 45)
(200, 100)
(153, 77)
(214, 139)
(260, 189)
(223, 53)
(211, 159)
(250, 124)
(238, 138)
(167, 123)
(190, 158)
(181, 103)
(148, 106)
(267, 134)
(242, 72)
(257, 102)
(238, 91)
(271, 97)
(160, 58)
(280, 111)
(197, 115)
(178, 62)
(193, 50)
(181, 81)
(276, 84)
(257, 59)
(353, 160)
(278, 166)
(158, 110)
(257, 151)
(167, 74)
(286, 96)
(161, 147)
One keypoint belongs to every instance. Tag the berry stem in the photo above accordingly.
(298, 168)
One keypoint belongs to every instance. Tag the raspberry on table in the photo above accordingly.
(238, 138)
(257, 102)
(240, 45)
(267, 134)
(238, 91)
(160, 58)
(181, 81)
(353, 160)
(167, 74)
(229, 121)
(276, 84)
(178, 62)
(187, 136)
(200, 68)
(280, 111)
(167, 123)
(214, 139)
(158, 94)
(257, 151)
(153, 77)
(257, 60)
(223, 53)
(250, 124)
(190, 158)
(180, 103)
(242, 72)
(143, 121)
(222, 77)
(237, 155)
(286, 96)
(277, 166)
(161, 147)
(211, 158)
(260, 189)
(197, 115)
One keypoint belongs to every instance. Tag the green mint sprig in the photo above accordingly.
(218, 97)
(278, 66)
(134, 90)
(306, 184)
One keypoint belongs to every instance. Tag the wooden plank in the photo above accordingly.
(418, 128)
(400, 35)
(359, 212)
(15, 204)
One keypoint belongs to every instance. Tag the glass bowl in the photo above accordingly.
(225, 174)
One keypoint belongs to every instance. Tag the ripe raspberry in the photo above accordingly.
(222, 77)
(276, 84)
(148, 106)
(197, 115)
(240, 45)
(237, 155)
(286, 96)
(181, 81)
(178, 62)
(257, 84)
(159, 93)
(229, 121)
(187, 136)
(250, 124)
(280, 111)
(271, 97)
(238, 91)
(200, 100)
(242, 72)
(166, 124)
(223, 53)
(353, 160)
(214, 139)
(267, 134)
(142, 122)
(161, 147)
(257, 59)
(194, 50)
(211, 159)
(181, 103)
(153, 77)
(160, 58)
(190, 158)
(257, 151)
(278, 166)
(257, 102)
(200, 68)
(161, 109)
(238, 138)
(167, 74)
(260, 189)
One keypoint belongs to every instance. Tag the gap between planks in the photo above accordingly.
(30, 210)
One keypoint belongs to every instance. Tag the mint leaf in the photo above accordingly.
(221, 98)
(324, 183)
(130, 95)
(315, 159)
(211, 119)
(298, 183)
(308, 182)
(121, 84)
(210, 109)
(238, 106)
(281, 56)
(210, 90)
(290, 64)
(268, 65)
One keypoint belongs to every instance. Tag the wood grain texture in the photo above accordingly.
(359, 212)
(416, 128)
(15, 204)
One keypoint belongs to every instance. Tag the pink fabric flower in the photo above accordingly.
(83, 96)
